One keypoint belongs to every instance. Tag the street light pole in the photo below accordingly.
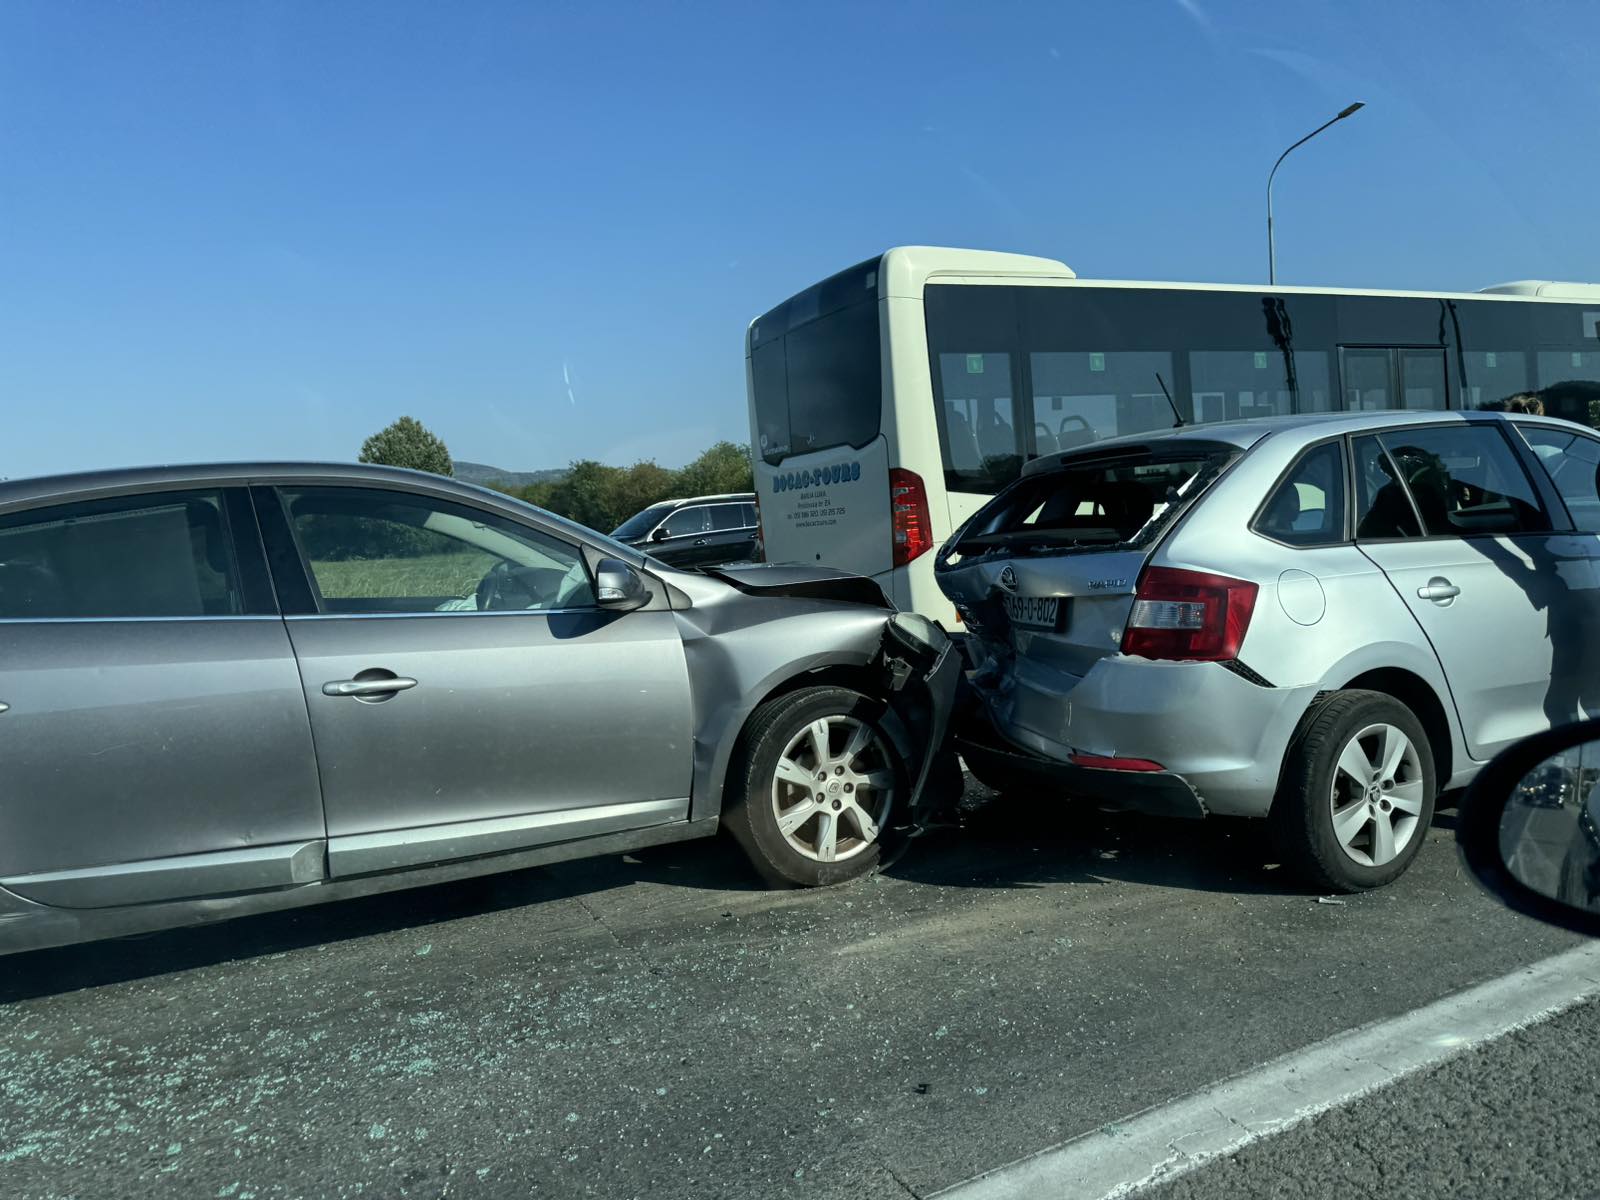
(1272, 252)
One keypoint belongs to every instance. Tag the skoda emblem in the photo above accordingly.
(1008, 579)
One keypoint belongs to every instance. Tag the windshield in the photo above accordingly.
(641, 523)
(1120, 502)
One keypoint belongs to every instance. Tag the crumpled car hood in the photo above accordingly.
(802, 582)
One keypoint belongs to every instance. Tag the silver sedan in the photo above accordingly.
(228, 689)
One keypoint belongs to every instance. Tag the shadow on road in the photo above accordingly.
(1009, 842)
(999, 843)
(710, 864)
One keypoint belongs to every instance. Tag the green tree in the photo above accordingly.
(408, 443)
(537, 493)
(603, 497)
(725, 467)
(582, 495)
(636, 488)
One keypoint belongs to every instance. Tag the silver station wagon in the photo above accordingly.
(1324, 620)
(238, 688)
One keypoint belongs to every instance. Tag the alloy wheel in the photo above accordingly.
(1377, 795)
(833, 789)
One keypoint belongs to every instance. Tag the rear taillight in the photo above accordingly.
(908, 510)
(1188, 615)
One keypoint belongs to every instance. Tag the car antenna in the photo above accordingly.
(1178, 424)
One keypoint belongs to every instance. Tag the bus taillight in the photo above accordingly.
(908, 508)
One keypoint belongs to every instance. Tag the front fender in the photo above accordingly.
(741, 652)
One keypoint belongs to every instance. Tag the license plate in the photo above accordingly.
(1034, 612)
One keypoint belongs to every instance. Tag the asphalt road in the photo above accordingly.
(658, 1025)
(1518, 1117)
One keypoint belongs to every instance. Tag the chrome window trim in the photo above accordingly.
(449, 612)
(133, 620)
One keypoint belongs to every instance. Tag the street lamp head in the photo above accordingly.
(1351, 109)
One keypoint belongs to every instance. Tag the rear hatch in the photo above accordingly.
(1044, 575)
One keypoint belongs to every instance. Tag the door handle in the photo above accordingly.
(700, 541)
(1438, 588)
(368, 687)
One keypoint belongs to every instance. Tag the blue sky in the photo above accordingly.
(264, 230)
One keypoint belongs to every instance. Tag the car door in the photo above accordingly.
(1457, 525)
(683, 538)
(1570, 459)
(153, 735)
(732, 537)
(466, 694)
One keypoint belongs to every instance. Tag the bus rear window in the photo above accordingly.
(816, 368)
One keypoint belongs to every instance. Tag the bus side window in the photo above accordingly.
(978, 411)
(964, 452)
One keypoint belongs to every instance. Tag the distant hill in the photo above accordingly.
(482, 473)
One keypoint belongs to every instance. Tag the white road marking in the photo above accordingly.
(1172, 1139)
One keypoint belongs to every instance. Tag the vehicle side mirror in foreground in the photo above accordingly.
(618, 587)
(1530, 826)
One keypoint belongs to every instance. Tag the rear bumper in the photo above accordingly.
(1159, 793)
(1223, 735)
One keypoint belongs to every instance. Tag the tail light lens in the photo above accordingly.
(1188, 615)
(908, 509)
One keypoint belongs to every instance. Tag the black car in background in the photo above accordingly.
(697, 532)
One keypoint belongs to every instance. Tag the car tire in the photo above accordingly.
(792, 838)
(1357, 792)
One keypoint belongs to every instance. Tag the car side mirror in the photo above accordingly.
(659, 534)
(618, 587)
(1530, 826)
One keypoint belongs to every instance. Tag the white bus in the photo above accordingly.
(888, 402)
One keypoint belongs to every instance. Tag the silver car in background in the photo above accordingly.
(1325, 620)
(228, 689)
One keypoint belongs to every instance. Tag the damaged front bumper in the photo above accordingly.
(925, 670)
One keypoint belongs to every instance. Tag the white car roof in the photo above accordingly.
(1245, 434)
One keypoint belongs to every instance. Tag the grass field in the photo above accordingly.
(427, 575)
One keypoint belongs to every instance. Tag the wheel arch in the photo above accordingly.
(866, 678)
(1417, 694)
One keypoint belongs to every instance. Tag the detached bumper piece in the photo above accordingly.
(1128, 784)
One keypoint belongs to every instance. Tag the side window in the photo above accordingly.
(1228, 385)
(747, 513)
(375, 551)
(166, 555)
(689, 520)
(725, 517)
(1080, 398)
(1383, 506)
(1307, 507)
(1463, 480)
(1573, 461)
(980, 439)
